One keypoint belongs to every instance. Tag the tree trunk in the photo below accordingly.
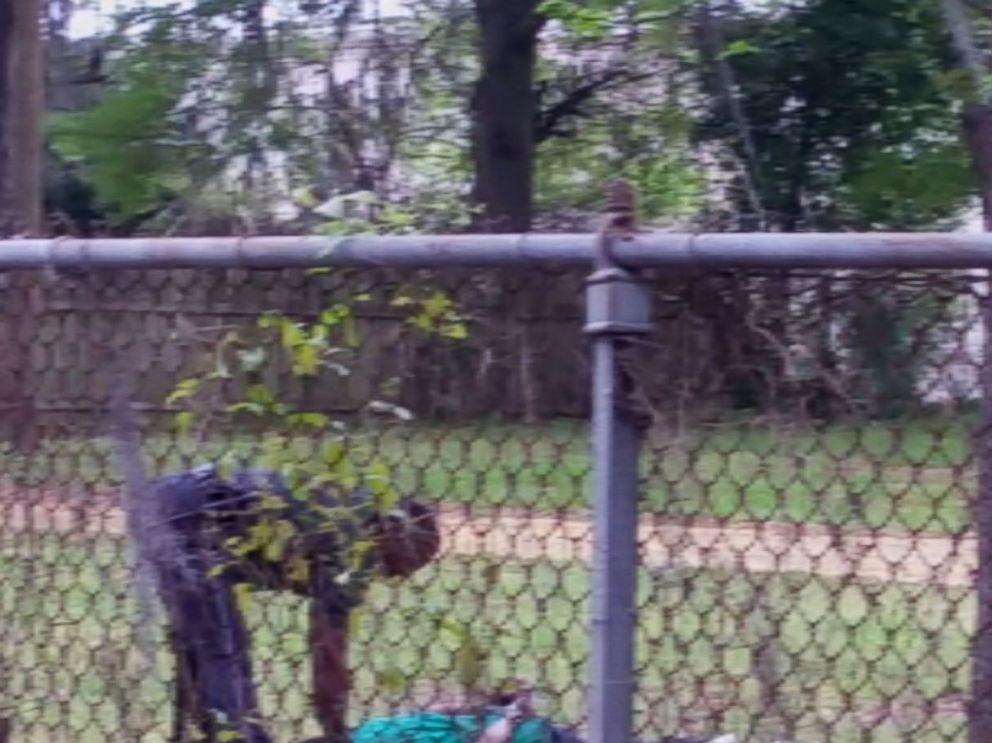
(977, 125)
(6, 105)
(21, 103)
(504, 112)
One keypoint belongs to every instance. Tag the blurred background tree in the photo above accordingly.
(188, 117)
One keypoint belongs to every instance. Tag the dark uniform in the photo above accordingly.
(211, 520)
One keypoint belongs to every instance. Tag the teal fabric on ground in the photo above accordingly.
(436, 727)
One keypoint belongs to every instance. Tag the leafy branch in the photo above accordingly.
(278, 542)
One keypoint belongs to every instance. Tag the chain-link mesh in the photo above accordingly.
(808, 558)
(807, 551)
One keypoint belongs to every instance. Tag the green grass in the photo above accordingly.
(851, 664)
(903, 475)
(854, 663)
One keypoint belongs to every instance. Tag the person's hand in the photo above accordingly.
(522, 706)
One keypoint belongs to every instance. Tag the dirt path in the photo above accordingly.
(515, 534)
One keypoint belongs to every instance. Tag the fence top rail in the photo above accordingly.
(649, 249)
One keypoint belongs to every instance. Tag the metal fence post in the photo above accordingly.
(617, 307)
(980, 711)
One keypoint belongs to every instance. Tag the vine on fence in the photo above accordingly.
(341, 461)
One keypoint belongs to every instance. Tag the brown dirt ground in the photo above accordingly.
(513, 533)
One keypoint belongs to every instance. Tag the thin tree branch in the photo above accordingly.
(713, 43)
(959, 25)
(549, 119)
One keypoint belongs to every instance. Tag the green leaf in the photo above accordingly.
(304, 197)
(378, 477)
(260, 394)
(306, 360)
(423, 321)
(579, 19)
(311, 420)
(218, 570)
(737, 48)
(332, 451)
(246, 407)
(356, 554)
(270, 503)
(242, 597)
(334, 315)
(134, 150)
(556, 8)
(392, 680)
(291, 334)
(355, 621)
(345, 472)
(185, 389)
(456, 331)
(453, 627)
(274, 448)
(318, 336)
(298, 570)
(436, 304)
(260, 534)
(282, 534)
(184, 421)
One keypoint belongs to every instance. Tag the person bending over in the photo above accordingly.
(251, 531)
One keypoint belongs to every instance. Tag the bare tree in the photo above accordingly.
(21, 105)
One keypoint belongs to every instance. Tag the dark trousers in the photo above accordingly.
(214, 687)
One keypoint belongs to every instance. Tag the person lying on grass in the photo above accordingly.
(252, 531)
(506, 718)
(502, 718)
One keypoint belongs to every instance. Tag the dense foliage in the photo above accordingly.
(352, 115)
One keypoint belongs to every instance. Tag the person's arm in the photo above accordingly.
(400, 547)
(501, 731)
(498, 732)
(331, 677)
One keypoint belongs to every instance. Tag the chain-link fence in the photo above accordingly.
(807, 553)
